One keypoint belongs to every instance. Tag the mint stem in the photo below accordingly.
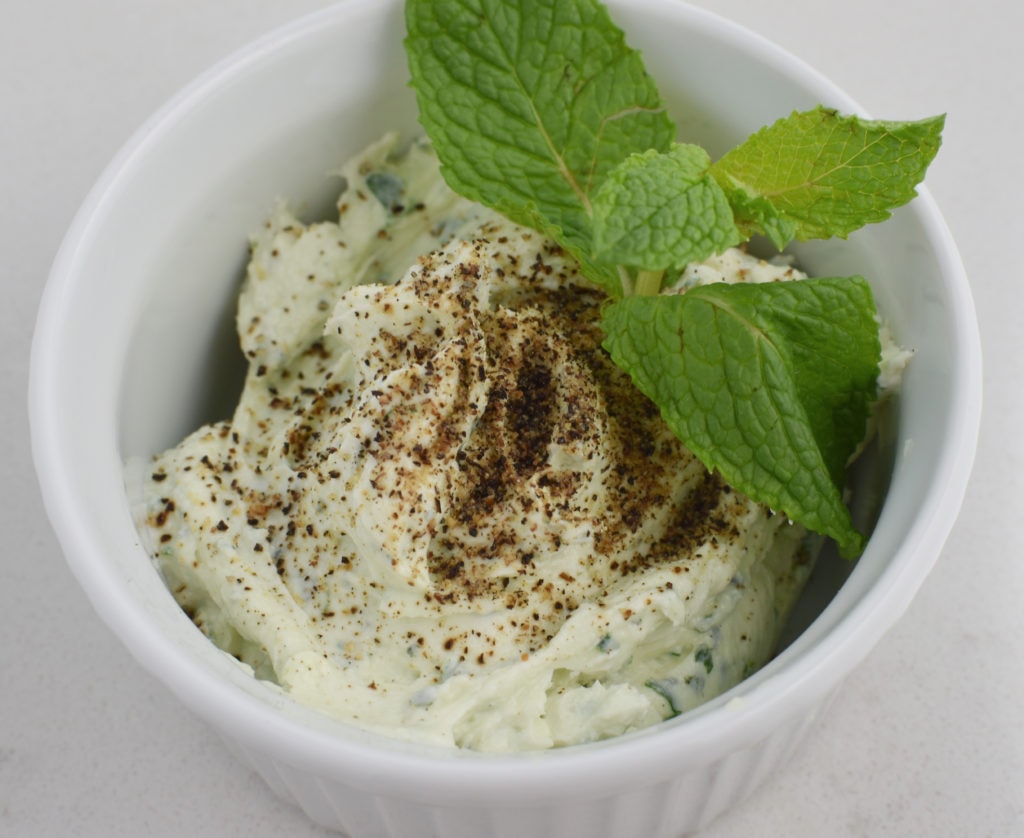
(625, 280)
(648, 283)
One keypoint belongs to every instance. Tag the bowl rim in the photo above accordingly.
(765, 701)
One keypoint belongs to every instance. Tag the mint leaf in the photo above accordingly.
(819, 174)
(770, 384)
(529, 105)
(660, 211)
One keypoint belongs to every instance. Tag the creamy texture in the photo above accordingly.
(439, 510)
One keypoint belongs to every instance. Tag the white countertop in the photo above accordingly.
(926, 738)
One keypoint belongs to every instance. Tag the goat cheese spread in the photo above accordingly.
(439, 511)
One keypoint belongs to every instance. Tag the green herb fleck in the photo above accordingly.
(703, 655)
(663, 688)
(386, 188)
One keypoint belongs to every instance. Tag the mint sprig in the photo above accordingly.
(540, 110)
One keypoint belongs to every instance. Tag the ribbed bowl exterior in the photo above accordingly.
(676, 807)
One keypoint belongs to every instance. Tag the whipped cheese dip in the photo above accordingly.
(439, 511)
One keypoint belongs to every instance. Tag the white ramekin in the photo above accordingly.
(133, 349)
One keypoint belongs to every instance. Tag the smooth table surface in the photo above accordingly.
(927, 736)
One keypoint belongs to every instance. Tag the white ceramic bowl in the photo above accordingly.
(134, 349)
